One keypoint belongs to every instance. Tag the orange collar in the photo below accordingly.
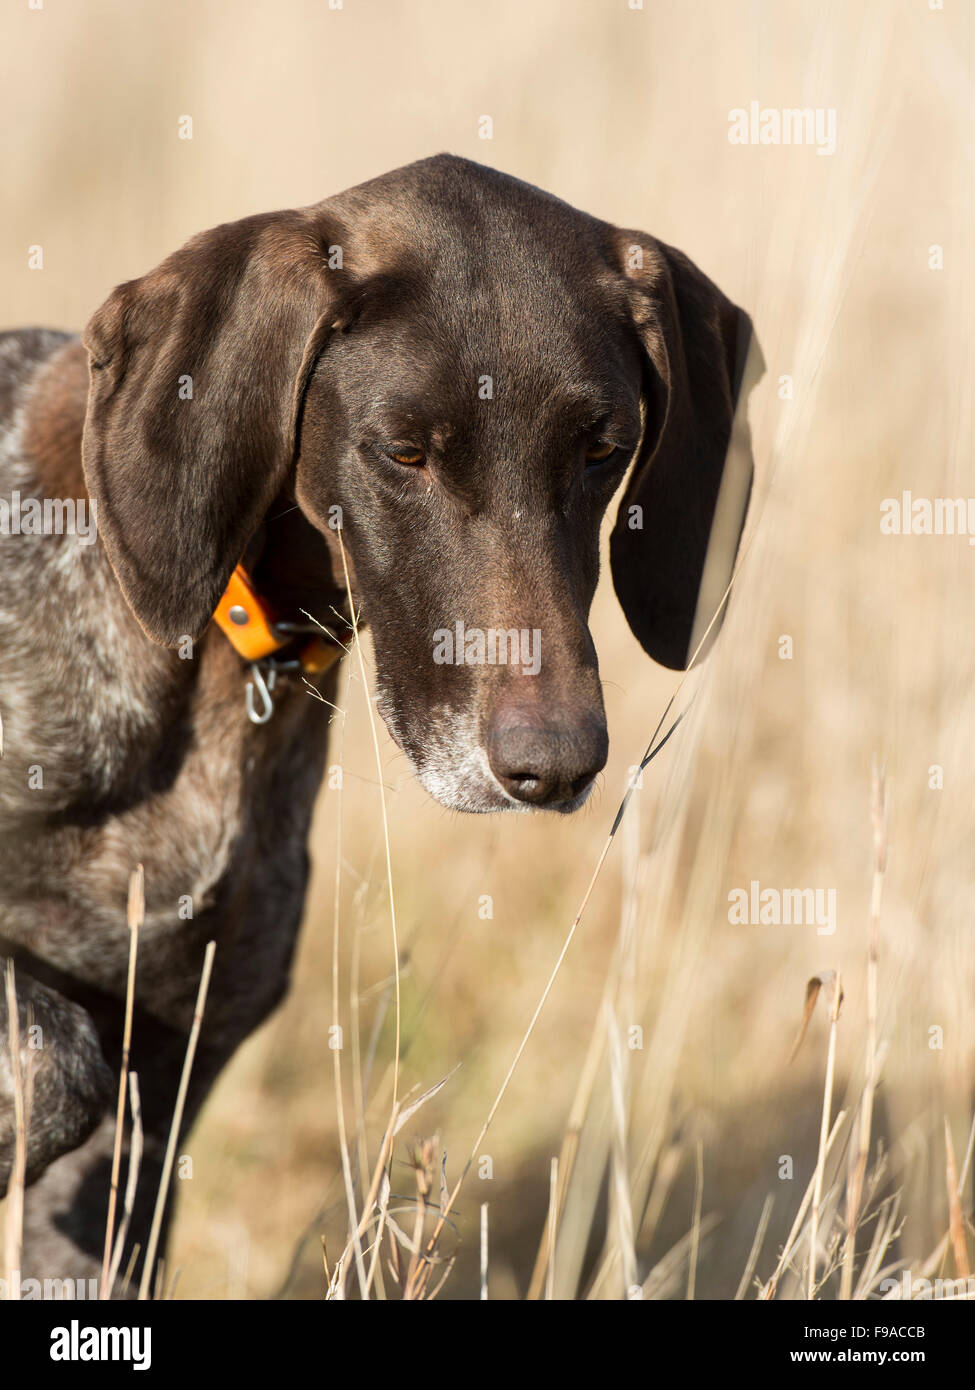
(252, 630)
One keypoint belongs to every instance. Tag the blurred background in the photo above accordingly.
(680, 1143)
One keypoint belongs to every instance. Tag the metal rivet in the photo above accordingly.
(239, 616)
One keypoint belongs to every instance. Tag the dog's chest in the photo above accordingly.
(118, 753)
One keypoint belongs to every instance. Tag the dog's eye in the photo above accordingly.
(407, 454)
(600, 450)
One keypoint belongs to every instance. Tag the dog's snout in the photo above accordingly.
(546, 761)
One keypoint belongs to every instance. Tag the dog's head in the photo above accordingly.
(458, 370)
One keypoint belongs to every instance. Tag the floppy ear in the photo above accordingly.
(198, 373)
(673, 547)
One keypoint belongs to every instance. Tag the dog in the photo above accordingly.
(420, 397)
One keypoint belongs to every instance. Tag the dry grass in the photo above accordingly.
(672, 1175)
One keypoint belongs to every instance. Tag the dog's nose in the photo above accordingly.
(546, 761)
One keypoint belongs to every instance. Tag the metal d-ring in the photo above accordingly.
(263, 688)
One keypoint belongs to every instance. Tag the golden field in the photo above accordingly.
(624, 112)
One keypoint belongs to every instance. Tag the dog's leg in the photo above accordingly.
(65, 1213)
(61, 1062)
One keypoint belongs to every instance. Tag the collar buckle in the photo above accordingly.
(255, 634)
(263, 688)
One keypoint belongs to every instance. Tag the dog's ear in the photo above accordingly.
(676, 535)
(198, 373)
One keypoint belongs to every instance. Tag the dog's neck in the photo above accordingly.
(54, 421)
(291, 566)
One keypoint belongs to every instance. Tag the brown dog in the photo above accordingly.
(452, 371)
